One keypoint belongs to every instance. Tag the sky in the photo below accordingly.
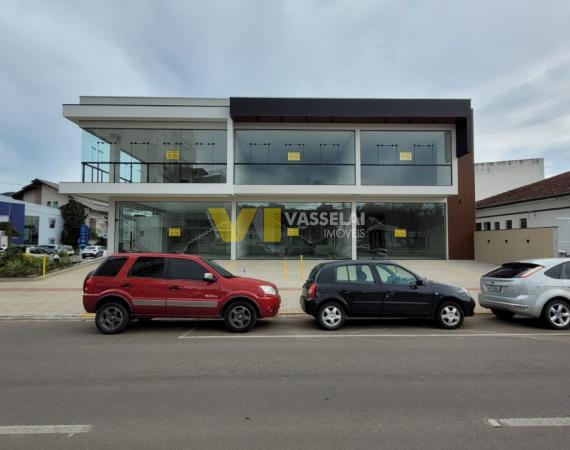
(510, 57)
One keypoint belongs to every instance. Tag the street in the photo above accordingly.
(376, 383)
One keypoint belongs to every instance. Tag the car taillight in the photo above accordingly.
(529, 272)
(88, 283)
(312, 291)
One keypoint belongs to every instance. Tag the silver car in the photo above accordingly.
(534, 288)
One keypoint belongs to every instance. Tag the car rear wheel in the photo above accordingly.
(240, 317)
(556, 314)
(502, 314)
(112, 318)
(331, 316)
(449, 315)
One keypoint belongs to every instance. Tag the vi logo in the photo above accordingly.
(235, 232)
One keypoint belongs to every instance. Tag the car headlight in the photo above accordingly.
(268, 290)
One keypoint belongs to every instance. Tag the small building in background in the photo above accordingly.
(35, 224)
(527, 222)
(46, 193)
(492, 178)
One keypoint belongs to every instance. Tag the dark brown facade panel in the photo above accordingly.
(397, 111)
(461, 212)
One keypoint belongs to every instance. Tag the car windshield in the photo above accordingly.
(223, 272)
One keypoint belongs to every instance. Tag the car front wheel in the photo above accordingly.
(112, 318)
(240, 317)
(449, 315)
(331, 316)
(556, 314)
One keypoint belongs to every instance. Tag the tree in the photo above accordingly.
(73, 217)
(9, 229)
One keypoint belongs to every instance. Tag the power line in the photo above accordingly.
(13, 184)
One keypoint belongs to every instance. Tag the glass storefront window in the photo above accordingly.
(154, 156)
(401, 230)
(289, 230)
(294, 157)
(171, 227)
(406, 158)
(31, 230)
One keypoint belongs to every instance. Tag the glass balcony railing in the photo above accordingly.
(141, 172)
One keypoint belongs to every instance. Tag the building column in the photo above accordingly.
(233, 243)
(357, 157)
(111, 227)
(230, 155)
(354, 228)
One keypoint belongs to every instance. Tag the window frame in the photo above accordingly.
(170, 261)
(135, 260)
(367, 283)
(416, 277)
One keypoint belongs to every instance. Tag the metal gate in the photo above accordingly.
(563, 247)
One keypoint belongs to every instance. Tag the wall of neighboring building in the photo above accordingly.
(50, 195)
(553, 212)
(14, 213)
(492, 178)
(46, 217)
(33, 196)
(497, 247)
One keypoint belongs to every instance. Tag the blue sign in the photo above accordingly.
(83, 236)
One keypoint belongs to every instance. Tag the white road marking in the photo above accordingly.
(344, 335)
(45, 429)
(531, 422)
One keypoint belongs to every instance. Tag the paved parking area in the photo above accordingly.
(60, 295)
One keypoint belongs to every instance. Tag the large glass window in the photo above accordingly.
(401, 230)
(173, 227)
(289, 230)
(31, 230)
(406, 158)
(294, 157)
(154, 156)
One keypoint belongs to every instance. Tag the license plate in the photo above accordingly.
(494, 288)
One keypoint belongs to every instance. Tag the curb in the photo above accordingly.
(44, 317)
(77, 266)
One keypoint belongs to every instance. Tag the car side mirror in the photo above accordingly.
(209, 277)
(420, 282)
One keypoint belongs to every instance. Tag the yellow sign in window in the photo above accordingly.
(293, 156)
(406, 156)
(174, 232)
(400, 233)
(173, 155)
(292, 232)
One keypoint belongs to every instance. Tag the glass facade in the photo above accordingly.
(281, 230)
(289, 230)
(406, 158)
(401, 230)
(154, 156)
(294, 157)
(171, 227)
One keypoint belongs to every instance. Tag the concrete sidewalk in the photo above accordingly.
(60, 294)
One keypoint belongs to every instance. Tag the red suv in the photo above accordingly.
(147, 285)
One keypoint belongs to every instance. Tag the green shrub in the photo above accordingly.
(16, 264)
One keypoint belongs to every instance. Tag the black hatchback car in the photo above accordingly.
(341, 289)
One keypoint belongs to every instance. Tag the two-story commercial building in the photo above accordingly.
(275, 178)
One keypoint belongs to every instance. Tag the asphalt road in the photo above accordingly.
(374, 384)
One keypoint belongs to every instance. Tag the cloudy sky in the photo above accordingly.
(511, 57)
